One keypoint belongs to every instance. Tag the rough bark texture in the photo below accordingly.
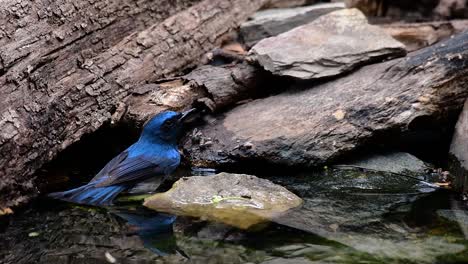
(67, 65)
(318, 124)
(214, 87)
(419, 35)
(459, 152)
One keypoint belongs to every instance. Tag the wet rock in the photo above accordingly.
(310, 127)
(271, 22)
(394, 162)
(330, 45)
(459, 151)
(239, 200)
(459, 216)
(375, 213)
(337, 201)
(288, 261)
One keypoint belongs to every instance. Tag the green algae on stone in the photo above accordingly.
(240, 200)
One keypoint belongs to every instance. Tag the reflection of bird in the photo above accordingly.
(154, 154)
(154, 229)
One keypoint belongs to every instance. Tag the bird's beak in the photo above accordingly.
(186, 114)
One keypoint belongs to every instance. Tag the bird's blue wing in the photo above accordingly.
(124, 169)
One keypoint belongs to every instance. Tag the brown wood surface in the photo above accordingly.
(65, 67)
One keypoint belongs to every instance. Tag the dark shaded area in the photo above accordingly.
(81, 161)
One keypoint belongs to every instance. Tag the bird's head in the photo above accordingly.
(165, 127)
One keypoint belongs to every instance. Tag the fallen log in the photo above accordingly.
(211, 87)
(317, 124)
(51, 96)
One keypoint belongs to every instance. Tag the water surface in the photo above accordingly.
(347, 217)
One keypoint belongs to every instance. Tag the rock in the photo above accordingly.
(459, 151)
(370, 212)
(316, 124)
(323, 194)
(287, 3)
(393, 162)
(459, 216)
(419, 35)
(239, 200)
(396, 9)
(300, 260)
(271, 22)
(452, 8)
(330, 45)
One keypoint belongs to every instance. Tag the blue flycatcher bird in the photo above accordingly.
(155, 154)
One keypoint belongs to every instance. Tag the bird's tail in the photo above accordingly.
(89, 194)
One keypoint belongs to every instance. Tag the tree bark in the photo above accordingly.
(318, 124)
(211, 87)
(67, 65)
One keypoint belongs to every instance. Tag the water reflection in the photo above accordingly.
(154, 229)
(347, 217)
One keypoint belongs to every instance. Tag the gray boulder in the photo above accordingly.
(239, 200)
(315, 124)
(393, 162)
(330, 45)
(271, 22)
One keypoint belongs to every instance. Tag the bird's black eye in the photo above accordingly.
(168, 124)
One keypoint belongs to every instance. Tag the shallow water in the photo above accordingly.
(347, 217)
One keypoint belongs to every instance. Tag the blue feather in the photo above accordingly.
(155, 154)
(88, 194)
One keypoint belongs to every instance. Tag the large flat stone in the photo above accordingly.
(393, 162)
(316, 124)
(271, 22)
(235, 199)
(330, 45)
